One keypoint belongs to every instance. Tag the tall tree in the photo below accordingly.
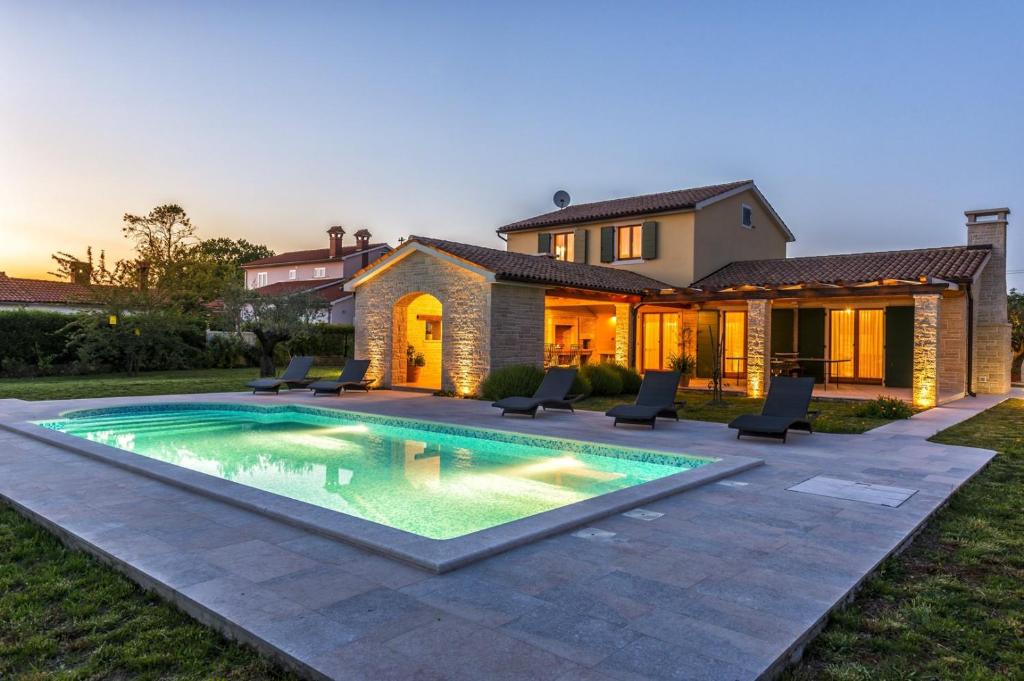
(163, 239)
(232, 252)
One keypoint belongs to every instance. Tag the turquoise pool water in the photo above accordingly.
(434, 480)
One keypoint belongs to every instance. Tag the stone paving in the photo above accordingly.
(726, 581)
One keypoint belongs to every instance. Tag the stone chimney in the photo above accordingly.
(81, 273)
(362, 244)
(142, 267)
(992, 350)
(336, 234)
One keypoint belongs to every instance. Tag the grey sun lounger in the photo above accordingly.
(294, 376)
(785, 408)
(352, 377)
(656, 399)
(553, 393)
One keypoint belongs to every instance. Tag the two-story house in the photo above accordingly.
(701, 272)
(320, 271)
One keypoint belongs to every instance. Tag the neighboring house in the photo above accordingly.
(701, 272)
(321, 271)
(67, 297)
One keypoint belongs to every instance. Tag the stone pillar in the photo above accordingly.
(926, 349)
(993, 354)
(623, 319)
(759, 335)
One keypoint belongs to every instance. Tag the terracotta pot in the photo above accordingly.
(684, 380)
(412, 373)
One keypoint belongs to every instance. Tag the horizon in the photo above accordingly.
(866, 128)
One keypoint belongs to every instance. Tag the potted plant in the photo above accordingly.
(414, 361)
(685, 364)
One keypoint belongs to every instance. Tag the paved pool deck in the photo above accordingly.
(725, 581)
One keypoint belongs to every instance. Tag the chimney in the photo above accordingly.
(142, 267)
(81, 273)
(336, 233)
(363, 244)
(991, 338)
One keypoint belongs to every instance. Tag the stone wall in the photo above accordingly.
(623, 332)
(465, 318)
(759, 334)
(992, 350)
(952, 346)
(926, 349)
(517, 325)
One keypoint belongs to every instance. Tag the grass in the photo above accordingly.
(952, 605)
(836, 416)
(65, 616)
(123, 385)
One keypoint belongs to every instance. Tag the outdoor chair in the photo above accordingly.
(785, 408)
(352, 377)
(553, 393)
(294, 376)
(656, 399)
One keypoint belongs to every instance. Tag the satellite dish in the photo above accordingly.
(561, 198)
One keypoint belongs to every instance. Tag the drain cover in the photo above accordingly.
(854, 491)
(593, 533)
(643, 514)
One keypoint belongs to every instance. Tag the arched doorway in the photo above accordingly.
(418, 340)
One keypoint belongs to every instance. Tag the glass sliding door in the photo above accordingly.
(840, 342)
(870, 334)
(735, 344)
(856, 336)
(662, 338)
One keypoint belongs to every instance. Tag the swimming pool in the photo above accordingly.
(431, 479)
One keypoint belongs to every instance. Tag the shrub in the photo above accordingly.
(228, 352)
(324, 340)
(885, 408)
(580, 385)
(518, 379)
(604, 380)
(140, 341)
(631, 380)
(33, 337)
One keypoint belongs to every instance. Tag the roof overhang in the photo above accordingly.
(750, 186)
(385, 263)
(865, 289)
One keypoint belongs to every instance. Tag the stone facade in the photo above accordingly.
(952, 346)
(992, 349)
(465, 318)
(517, 325)
(623, 322)
(759, 333)
(926, 349)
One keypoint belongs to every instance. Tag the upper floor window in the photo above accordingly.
(291, 274)
(261, 279)
(747, 216)
(319, 272)
(630, 240)
(563, 246)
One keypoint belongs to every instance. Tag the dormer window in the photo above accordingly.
(319, 272)
(562, 246)
(747, 216)
(630, 240)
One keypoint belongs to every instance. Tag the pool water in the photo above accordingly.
(434, 480)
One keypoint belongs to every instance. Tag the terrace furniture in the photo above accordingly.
(553, 393)
(352, 377)
(294, 376)
(785, 407)
(657, 398)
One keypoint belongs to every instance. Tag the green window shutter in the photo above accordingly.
(783, 339)
(579, 253)
(649, 243)
(899, 347)
(810, 340)
(707, 340)
(607, 244)
(543, 243)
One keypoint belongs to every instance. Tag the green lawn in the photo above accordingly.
(149, 383)
(836, 416)
(951, 606)
(64, 615)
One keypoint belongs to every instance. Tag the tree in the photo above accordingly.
(1015, 304)
(232, 252)
(273, 319)
(163, 240)
(70, 267)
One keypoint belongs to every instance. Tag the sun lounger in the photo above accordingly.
(656, 399)
(785, 408)
(294, 376)
(352, 377)
(553, 393)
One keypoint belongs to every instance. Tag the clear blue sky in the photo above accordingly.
(870, 126)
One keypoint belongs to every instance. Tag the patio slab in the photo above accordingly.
(729, 582)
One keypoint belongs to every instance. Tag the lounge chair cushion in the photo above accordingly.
(265, 383)
(767, 425)
(518, 403)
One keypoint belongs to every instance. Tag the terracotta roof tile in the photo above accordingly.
(951, 263)
(539, 269)
(314, 255)
(328, 289)
(681, 199)
(41, 292)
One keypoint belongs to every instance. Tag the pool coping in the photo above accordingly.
(435, 555)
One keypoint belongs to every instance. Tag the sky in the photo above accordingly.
(869, 126)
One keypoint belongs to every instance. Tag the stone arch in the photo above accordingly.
(408, 329)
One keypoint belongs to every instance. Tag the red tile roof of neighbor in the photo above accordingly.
(951, 263)
(314, 255)
(43, 292)
(540, 269)
(682, 199)
(328, 289)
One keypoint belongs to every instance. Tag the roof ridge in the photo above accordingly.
(653, 194)
(840, 255)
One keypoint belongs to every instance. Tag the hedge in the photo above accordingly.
(34, 337)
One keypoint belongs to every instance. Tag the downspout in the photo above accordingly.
(970, 341)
